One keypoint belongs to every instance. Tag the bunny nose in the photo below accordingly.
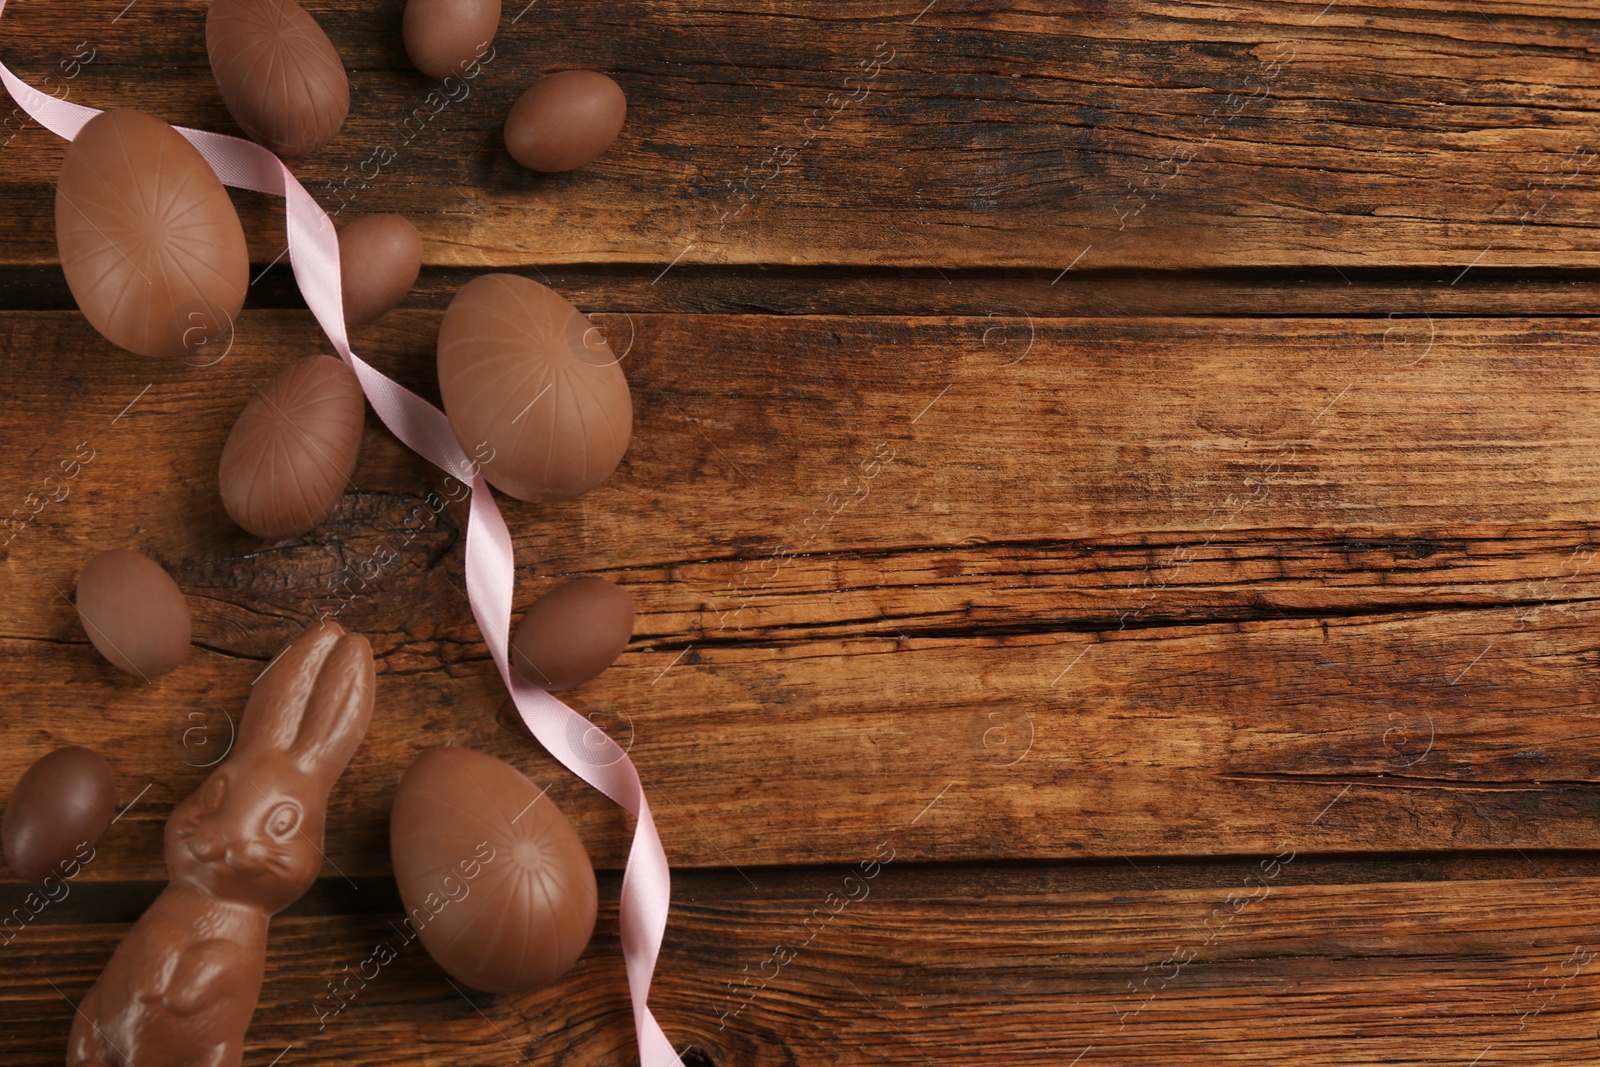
(207, 848)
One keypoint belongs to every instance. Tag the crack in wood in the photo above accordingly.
(1383, 780)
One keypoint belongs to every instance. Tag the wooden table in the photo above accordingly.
(1126, 473)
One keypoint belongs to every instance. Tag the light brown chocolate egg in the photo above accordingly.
(565, 120)
(572, 633)
(379, 259)
(278, 73)
(445, 36)
(149, 241)
(532, 390)
(290, 455)
(495, 881)
(133, 613)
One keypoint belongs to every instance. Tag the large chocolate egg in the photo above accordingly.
(532, 390)
(572, 633)
(444, 36)
(494, 879)
(379, 259)
(291, 453)
(149, 241)
(565, 120)
(278, 73)
(58, 812)
(134, 613)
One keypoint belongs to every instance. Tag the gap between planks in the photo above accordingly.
(1004, 294)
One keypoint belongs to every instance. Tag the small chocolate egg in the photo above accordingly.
(379, 259)
(565, 120)
(531, 388)
(278, 73)
(291, 453)
(58, 812)
(445, 36)
(495, 881)
(149, 241)
(134, 613)
(572, 633)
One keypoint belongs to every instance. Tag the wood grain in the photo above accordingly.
(1130, 132)
(1032, 966)
(1077, 613)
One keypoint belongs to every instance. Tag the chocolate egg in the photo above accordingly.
(532, 389)
(133, 613)
(494, 879)
(565, 121)
(290, 455)
(58, 812)
(379, 259)
(278, 73)
(149, 241)
(445, 36)
(572, 633)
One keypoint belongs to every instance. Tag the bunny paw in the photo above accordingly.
(201, 977)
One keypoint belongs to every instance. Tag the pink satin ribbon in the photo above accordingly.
(568, 736)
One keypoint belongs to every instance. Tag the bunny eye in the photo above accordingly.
(282, 820)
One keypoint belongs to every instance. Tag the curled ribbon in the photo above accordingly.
(566, 735)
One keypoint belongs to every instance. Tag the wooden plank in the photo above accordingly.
(1154, 426)
(1127, 132)
(1078, 608)
(928, 966)
(1239, 428)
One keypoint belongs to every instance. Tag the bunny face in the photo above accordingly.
(251, 834)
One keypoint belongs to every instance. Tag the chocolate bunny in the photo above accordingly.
(181, 988)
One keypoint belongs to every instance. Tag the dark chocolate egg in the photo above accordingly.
(444, 36)
(149, 241)
(532, 390)
(133, 612)
(565, 120)
(59, 810)
(379, 259)
(495, 881)
(278, 73)
(572, 633)
(291, 453)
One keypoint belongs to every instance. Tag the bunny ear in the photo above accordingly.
(278, 697)
(337, 711)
